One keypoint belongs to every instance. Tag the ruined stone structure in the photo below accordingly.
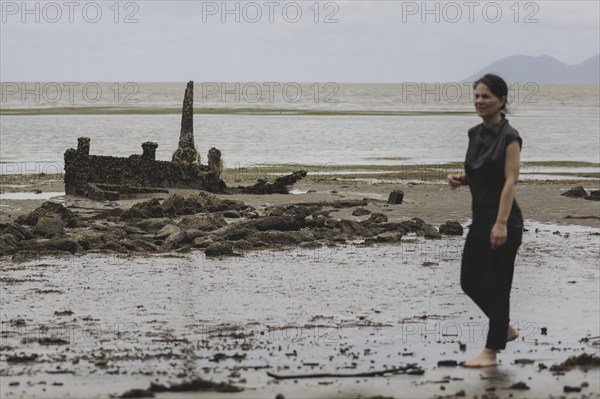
(109, 178)
(186, 153)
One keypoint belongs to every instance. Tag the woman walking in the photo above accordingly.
(491, 172)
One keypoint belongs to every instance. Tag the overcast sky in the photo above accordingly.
(337, 41)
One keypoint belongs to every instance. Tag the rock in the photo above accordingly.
(166, 231)
(232, 214)
(235, 234)
(242, 245)
(349, 227)
(375, 230)
(396, 197)
(420, 228)
(251, 215)
(227, 205)
(63, 244)
(310, 245)
(16, 230)
(176, 240)
(360, 212)
(322, 212)
(451, 228)
(305, 235)
(279, 223)
(143, 210)
(89, 238)
(202, 222)
(275, 212)
(219, 249)
(378, 218)
(300, 211)
(176, 205)
(575, 192)
(49, 208)
(203, 242)
(8, 244)
(133, 230)
(49, 226)
(432, 235)
(115, 232)
(113, 246)
(153, 225)
(270, 238)
(594, 195)
(312, 221)
(140, 245)
(388, 237)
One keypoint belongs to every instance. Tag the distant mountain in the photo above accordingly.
(542, 69)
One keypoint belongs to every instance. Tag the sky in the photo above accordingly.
(285, 41)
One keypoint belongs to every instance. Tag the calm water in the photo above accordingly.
(557, 122)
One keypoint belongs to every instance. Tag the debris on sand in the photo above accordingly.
(197, 384)
(447, 363)
(582, 360)
(281, 185)
(21, 358)
(138, 393)
(410, 369)
(575, 192)
(519, 385)
(524, 361)
(451, 228)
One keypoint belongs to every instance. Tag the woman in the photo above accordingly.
(492, 173)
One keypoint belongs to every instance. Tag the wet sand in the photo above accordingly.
(432, 201)
(102, 324)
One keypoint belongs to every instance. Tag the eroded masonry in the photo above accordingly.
(103, 177)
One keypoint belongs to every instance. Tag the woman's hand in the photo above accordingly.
(498, 235)
(455, 180)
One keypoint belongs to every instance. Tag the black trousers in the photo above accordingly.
(486, 276)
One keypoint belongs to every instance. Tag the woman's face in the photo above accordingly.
(487, 105)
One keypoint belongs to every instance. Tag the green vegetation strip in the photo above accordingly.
(214, 111)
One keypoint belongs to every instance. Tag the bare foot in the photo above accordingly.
(486, 358)
(512, 334)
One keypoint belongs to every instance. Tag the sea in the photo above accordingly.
(319, 123)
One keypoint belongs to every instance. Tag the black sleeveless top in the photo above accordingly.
(484, 167)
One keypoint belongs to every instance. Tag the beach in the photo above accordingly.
(106, 322)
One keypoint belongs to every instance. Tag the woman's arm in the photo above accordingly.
(511, 172)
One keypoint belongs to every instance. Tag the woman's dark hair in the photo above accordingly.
(497, 85)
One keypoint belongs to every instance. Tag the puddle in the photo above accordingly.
(30, 195)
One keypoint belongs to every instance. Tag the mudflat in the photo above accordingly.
(347, 318)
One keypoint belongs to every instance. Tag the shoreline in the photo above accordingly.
(426, 196)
